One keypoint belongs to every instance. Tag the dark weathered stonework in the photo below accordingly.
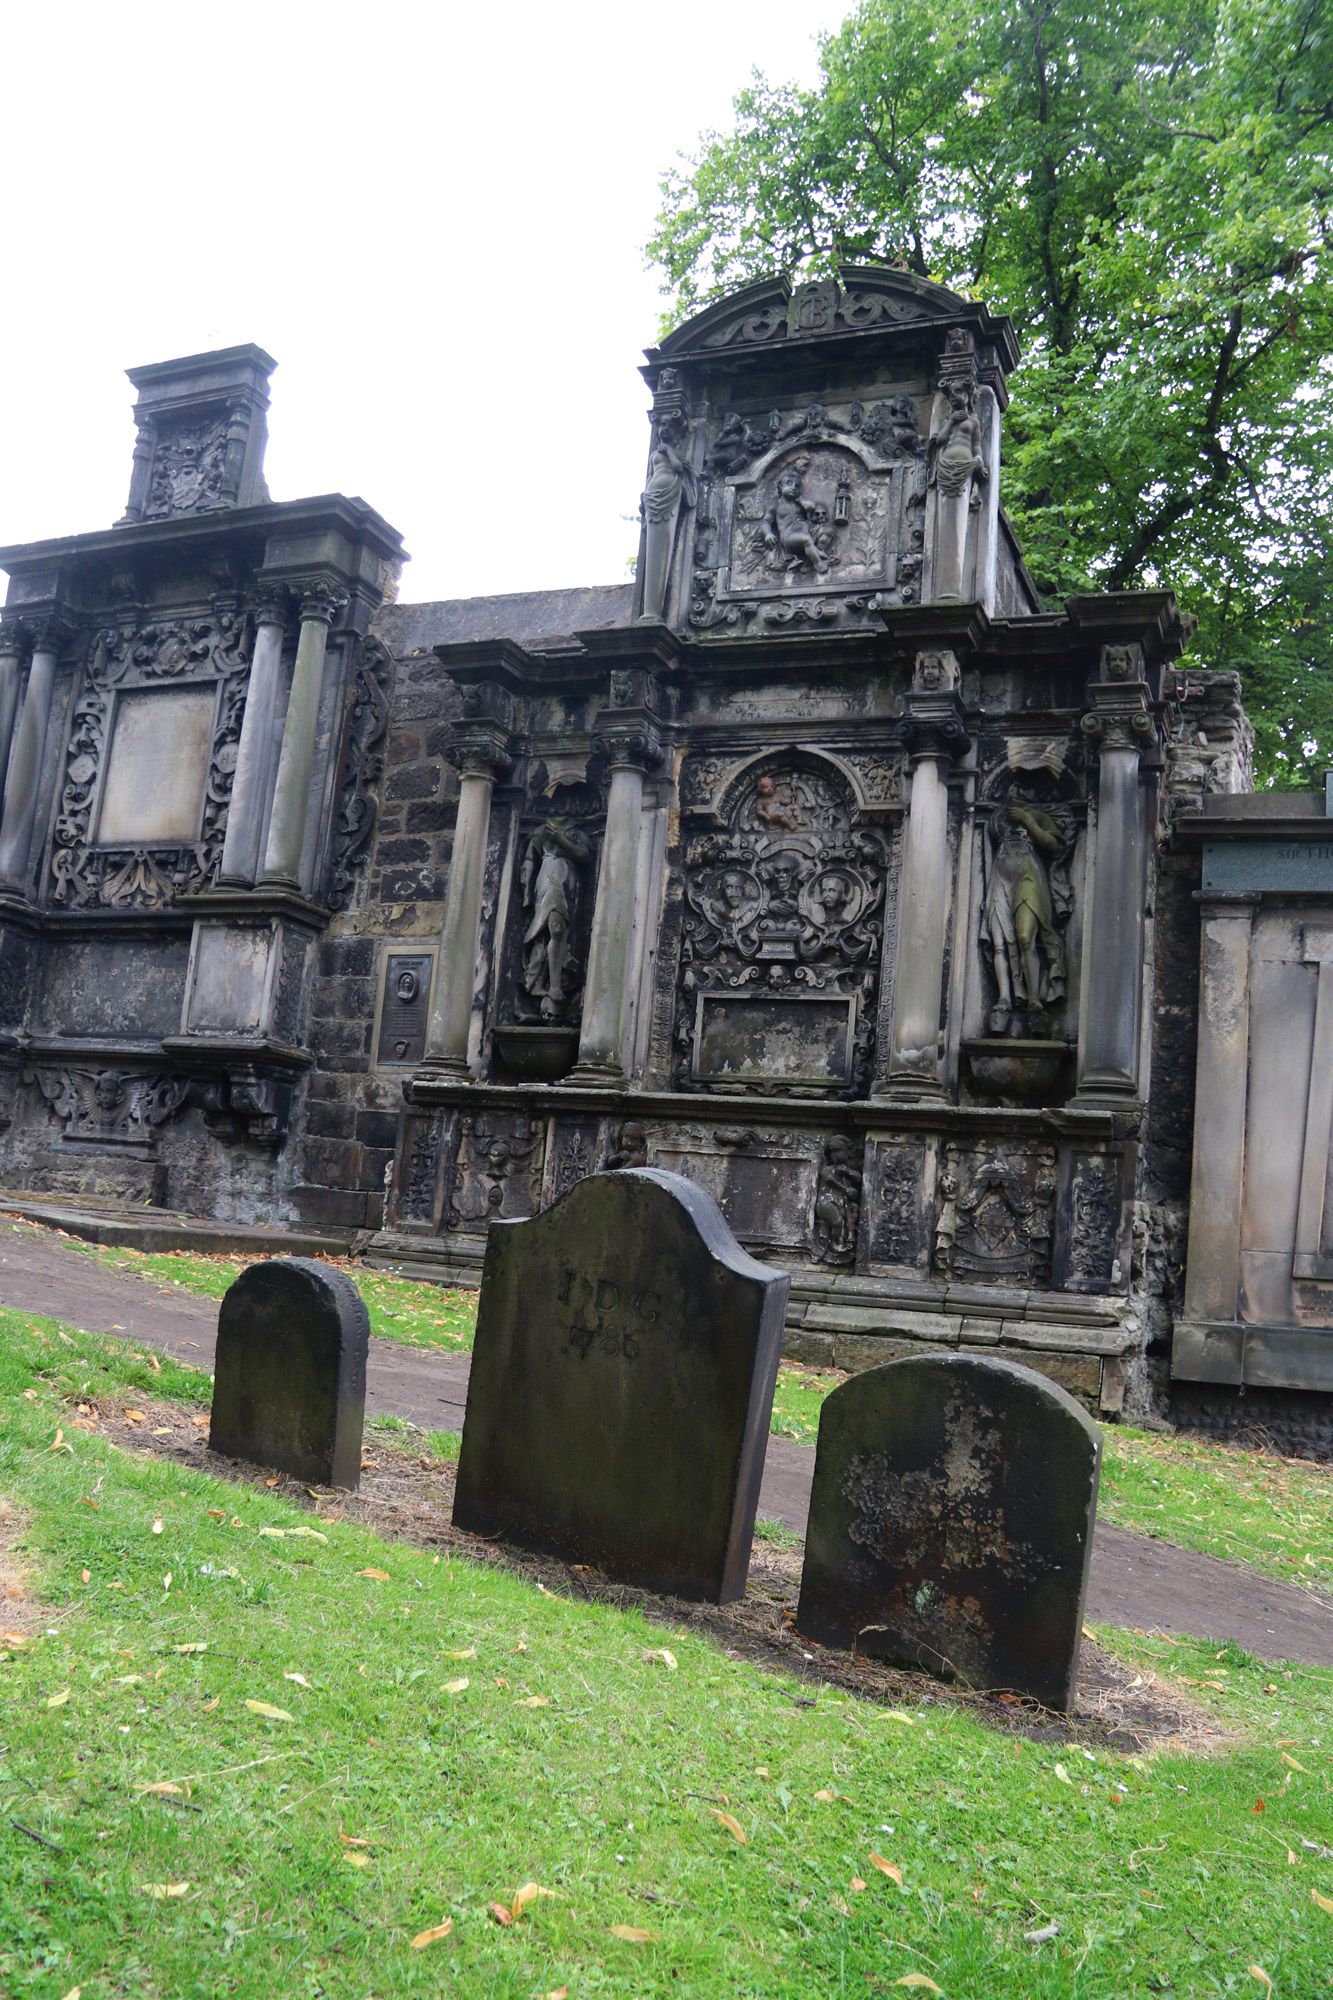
(821, 863)
(621, 1387)
(951, 1523)
(289, 1381)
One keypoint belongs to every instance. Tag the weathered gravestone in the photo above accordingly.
(951, 1523)
(622, 1382)
(289, 1380)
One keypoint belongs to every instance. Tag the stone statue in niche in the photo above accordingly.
(837, 1202)
(956, 469)
(669, 479)
(553, 866)
(1018, 919)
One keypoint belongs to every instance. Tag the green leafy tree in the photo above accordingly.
(1146, 187)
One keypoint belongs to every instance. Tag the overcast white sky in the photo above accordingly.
(431, 215)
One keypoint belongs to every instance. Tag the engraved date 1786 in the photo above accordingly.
(602, 1314)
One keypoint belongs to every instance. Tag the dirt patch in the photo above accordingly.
(407, 1496)
(20, 1616)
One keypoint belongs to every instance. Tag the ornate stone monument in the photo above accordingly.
(951, 1523)
(621, 1386)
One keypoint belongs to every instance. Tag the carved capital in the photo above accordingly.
(52, 634)
(480, 749)
(635, 749)
(934, 724)
(321, 601)
(13, 639)
(270, 606)
(1119, 718)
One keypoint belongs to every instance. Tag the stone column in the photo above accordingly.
(605, 989)
(291, 794)
(934, 734)
(1212, 1273)
(481, 759)
(11, 669)
(1120, 727)
(249, 790)
(25, 774)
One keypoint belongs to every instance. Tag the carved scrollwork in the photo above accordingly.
(208, 650)
(360, 767)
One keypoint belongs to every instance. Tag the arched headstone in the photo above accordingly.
(951, 1523)
(289, 1380)
(622, 1383)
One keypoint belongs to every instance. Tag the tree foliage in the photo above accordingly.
(1146, 187)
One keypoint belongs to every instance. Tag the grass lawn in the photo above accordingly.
(238, 1760)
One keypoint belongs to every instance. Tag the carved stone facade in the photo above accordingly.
(823, 864)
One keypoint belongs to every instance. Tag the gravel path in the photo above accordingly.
(1136, 1580)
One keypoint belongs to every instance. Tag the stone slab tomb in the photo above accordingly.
(289, 1384)
(622, 1383)
(951, 1523)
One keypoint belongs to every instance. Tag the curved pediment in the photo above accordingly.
(864, 298)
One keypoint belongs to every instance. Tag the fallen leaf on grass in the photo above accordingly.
(918, 1979)
(201, 1424)
(59, 1700)
(465, 1653)
(354, 1839)
(76, 1993)
(161, 1891)
(193, 1646)
(217, 1513)
(456, 1687)
(13, 1638)
(164, 1790)
(826, 1797)
(631, 1934)
(558, 1993)
(501, 1914)
(1294, 1765)
(856, 1885)
(276, 1535)
(1324, 1902)
(534, 1701)
(157, 1524)
(58, 1443)
(134, 1416)
(529, 1893)
(900, 1715)
(276, 1481)
(887, 1868)
(432, 1936)
(161, 1430)
(665, 1655)
(211, 1704)
(1257, 1972)
(267, 1708)
(85, 1576)
(375, 1575)
(306, 1534)
(731, 1823)
(300, 1679)
(1063, 1775)
(357, 1860)
(1043, 1936)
